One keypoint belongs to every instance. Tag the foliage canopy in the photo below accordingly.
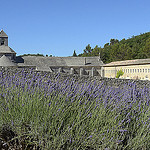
(136, 47)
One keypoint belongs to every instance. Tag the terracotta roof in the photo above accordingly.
(128, 62)
(3, 34)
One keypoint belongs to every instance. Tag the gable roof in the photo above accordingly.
(47, 62)
(6, 49)
(6, 62)
(128, 62)
(3, 34)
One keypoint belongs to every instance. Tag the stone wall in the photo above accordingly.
(130, 72)
(77, 78)
(4, 41)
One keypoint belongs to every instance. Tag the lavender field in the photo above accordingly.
(44, 113)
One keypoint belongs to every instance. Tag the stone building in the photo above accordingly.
(4, 48)
(73, 65)
(132, 69)
(92, 66)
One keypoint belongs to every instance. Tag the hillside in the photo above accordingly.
(137, 47)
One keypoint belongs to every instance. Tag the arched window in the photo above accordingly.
(2, 42)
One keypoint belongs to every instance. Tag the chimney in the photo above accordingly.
(99, 59)
(84, 61)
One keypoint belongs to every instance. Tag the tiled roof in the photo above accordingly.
(6, 49)
(5, 61)
(46, 62)
(128, 62)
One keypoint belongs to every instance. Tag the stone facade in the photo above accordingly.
(3, 38)
(132, 69)
(4, 48)
(91, 66)
(71, 65)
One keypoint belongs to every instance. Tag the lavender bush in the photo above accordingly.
(55, 114)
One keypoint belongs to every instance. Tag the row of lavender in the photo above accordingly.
(65, 114)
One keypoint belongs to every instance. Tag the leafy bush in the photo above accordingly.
(119, 73)
(39, 113)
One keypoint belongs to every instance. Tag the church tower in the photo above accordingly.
(5, 50)
(3, 38)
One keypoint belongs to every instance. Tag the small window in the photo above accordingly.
(143, 70)
(138, 70)
(130, 70)
(146, 70)
(2, 43)
(135, 70)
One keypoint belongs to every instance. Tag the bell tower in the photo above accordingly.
(3, 38)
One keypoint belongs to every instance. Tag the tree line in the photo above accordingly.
(136, 47)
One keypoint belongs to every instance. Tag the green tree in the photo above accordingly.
(74, 54)
(136, 47)
(113, 41)
(146, 49)
(87, 50)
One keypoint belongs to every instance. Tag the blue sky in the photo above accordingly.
(59, 27)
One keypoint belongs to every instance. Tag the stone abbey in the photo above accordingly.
(73, 65)
(92, 66)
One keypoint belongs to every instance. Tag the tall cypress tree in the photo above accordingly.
(74, 54)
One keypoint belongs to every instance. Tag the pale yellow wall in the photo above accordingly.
(130, 72)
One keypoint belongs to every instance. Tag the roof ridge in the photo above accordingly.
(6, 49)
(5, 61)
(3, 34)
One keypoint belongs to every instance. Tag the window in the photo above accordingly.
(138, 70)
(130, 70)
(2, 43)
(135, 70)
(146, 70)
(143, 70)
